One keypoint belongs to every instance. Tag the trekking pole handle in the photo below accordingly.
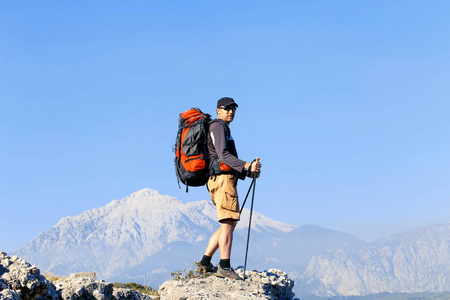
(257, 161)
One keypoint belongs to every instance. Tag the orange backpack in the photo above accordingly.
(191, 151)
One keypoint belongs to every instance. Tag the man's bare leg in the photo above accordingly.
(226, 238)
(213, 244)
(223, 239)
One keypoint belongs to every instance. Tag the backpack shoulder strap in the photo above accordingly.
(227, 129)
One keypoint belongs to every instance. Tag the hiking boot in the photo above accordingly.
(206, 269)
(228, 272)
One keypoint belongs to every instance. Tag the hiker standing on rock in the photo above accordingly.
(225, 169)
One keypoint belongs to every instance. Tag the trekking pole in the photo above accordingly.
(245, 200)
(250, 219)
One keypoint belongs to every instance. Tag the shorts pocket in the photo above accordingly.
(230, 202)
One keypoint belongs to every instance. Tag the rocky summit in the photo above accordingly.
(271, 284)
(20, 280)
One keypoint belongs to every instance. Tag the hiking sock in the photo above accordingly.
(206, 260)
(225, 263)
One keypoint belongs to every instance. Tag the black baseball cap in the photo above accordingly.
(226, 101)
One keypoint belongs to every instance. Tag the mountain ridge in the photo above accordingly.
(149, 234)
(416, 261)
(125, 232)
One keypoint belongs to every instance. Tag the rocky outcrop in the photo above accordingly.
(85, 286)
(271, 284)
(21, 281)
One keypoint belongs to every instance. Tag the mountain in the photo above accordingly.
(304, 242)
(146, 236)
(415, 261)
(139, 235)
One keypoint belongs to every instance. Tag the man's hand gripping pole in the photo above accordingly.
(252, 174)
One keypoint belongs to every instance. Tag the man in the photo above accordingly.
(225, 169)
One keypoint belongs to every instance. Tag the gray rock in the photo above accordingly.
(83, 287)
(9, 294)
(271, 284)
(129, 294)
(20, 280)
(90, 275)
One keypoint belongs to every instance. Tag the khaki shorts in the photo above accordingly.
(222, 189)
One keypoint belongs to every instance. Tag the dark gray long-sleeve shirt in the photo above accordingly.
(221, 143)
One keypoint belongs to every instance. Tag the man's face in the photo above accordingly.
(226, 113)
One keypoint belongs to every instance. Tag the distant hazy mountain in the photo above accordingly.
(300, 245)
(145, 236)
(415, 261)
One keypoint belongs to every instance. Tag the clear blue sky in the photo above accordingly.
(346, 102)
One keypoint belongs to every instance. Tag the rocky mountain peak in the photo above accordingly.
(148, 197)
(125, 233)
